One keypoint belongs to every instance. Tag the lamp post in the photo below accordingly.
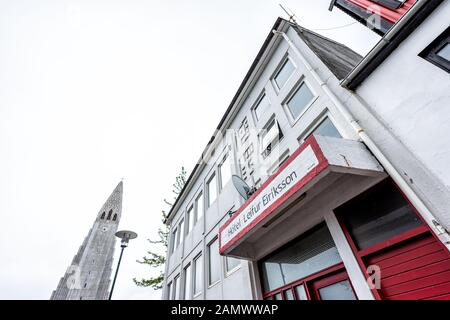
(126, 236)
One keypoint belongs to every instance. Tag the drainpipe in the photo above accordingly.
(426, 214)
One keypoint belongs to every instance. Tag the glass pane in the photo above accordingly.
(261, 107)
(301, 292)
(270, 134)
(174, 239)
(337, 291)
(232, 263)
(187, 283)
(306, 255)
(169, 291)
(212, 190)
(199, 203)
(377, 215)
(444, 52)
(176, 288)
(190, 218)
(327, 128)
(300, 100)
(214, 262)
(278, 296)
(225, 171)
(198, 265)
(181, 231)
(285, 72)
(288, 295)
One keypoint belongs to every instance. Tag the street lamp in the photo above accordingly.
(126, 236)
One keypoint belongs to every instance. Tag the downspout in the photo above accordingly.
(426, 214)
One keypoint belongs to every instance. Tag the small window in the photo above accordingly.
(176, 288)
(270, 136)
(187, 283)
(262, 105)
(198, 275)
(232, 263)
(438, 52)
(199, 207)
(103, 215)
(213, 262)
(85, 284)
(169, 291)
(325, 128)
(181, 232)
(115, 217)
(212, 189)
(299, 101)
(225, 171)
(284, 73)
(174, 239)
(109, 215)
(190, 219)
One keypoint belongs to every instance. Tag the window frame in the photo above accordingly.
(430, 52)
(208, 262)
(277, 71)
(194, 272)
(185, 278)
(190, 218)
(174, 239)
(181, 231)
(257, 103)
(295, 89)
(316, 123)
(202, 195)
(264, 151)
(227, 156)
(232, 270)
(212, 176)
(176, 285)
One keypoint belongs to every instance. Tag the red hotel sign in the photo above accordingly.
(301, 167)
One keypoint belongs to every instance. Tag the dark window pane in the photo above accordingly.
(444, 52)
(377, 215)
(306, 255)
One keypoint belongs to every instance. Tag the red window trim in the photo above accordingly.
(335, 278)
(337, 267)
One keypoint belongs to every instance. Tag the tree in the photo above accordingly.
(154, 259)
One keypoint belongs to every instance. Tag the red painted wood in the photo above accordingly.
(424, 293)
(441, 297)
(418, 273)
(392, 15)
(433, 280)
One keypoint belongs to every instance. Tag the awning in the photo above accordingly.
(318, 163)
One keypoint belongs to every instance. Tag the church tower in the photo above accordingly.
(88, 277)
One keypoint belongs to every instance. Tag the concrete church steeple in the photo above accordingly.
(88, 276)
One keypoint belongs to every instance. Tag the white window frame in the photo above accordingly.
(181, 231)
(194, 275)
(208, 263)
(291, 94)
(174, 238)
(187, 295)
(176, 283)
(208, 181)
(317, 122)
(278, 69)
(227, 156)
(233, 270)
(262, 149)
(257, 103)
(201, 193)
(190, 218)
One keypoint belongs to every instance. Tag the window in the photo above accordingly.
(377, 215)
(199, 207)
(176, 287)
(262, 105)
(103, 215)
(225, 171)
(174, 239)
(308, 254)
(109, 215)
(181, 232)
(232, 263)
(284, 73)
(438, 52)
(299, 101)
(213, 262)
(325, 128)
(270, 136)
(198, 275)
(169, 291)
(391, 4)
(115, 217)
(212, 189)
(190, 219)
(187, 283)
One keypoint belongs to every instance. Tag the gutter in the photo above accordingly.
(391, 40)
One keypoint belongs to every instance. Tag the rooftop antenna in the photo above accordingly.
(289, 12)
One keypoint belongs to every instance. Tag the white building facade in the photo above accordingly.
(349, 203)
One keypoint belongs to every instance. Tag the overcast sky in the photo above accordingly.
(95, 91)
